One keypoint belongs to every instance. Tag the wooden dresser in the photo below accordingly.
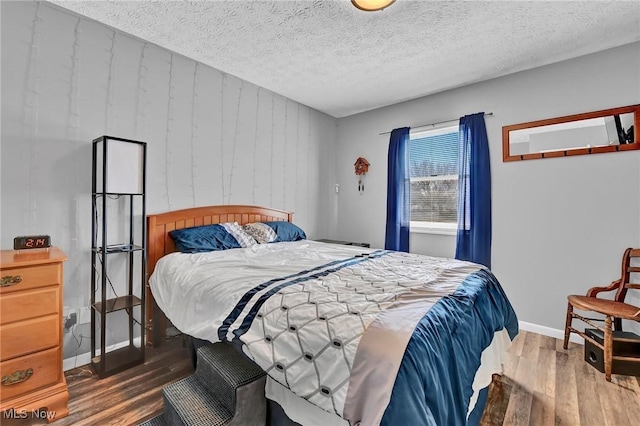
(33, 382)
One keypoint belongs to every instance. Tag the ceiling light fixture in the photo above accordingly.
(372, 5)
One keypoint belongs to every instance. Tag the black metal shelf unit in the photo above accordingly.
(118, 254)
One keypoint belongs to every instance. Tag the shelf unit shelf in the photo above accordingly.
(115, 194)
(120, 359)
(119, 248)
(118, 304)
(118, 254)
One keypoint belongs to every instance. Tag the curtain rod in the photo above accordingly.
(433, 124)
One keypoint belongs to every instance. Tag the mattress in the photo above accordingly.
(366, 336)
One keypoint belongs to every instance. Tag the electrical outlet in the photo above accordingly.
(84, 316)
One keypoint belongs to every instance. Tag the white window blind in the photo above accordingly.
(433, 171)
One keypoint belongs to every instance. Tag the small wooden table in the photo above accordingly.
(345, 243)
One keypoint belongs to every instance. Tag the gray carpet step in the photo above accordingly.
(188, 403)
(228, 374)
(156, 421)
(226, 389)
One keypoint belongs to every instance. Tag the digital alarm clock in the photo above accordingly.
(31, 242)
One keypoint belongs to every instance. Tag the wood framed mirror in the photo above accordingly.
(608, 130)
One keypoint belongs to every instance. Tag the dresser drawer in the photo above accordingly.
(45, 370)
(25, 337)
(29, 277)
(21, 305)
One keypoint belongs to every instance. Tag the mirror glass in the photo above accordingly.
(589, 133)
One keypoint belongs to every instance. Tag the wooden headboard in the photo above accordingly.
(160, 243)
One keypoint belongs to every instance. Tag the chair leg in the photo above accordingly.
(608, 348)
(567, 325)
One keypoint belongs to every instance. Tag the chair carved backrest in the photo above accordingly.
(630, 277)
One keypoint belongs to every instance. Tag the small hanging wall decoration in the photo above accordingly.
(362, 166)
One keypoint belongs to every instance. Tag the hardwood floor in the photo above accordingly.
(551, 386)
(129, 397)
(542, 385)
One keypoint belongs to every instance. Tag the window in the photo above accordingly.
(433, 172)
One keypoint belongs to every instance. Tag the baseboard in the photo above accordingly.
(85, 358)
(548, 331)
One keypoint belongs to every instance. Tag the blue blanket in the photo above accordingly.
(433, 386)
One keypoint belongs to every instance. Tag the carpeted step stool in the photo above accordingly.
(226, 389)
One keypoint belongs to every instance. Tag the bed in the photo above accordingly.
(347, 335)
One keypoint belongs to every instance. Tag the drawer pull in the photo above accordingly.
(10, 280)
(17, 377)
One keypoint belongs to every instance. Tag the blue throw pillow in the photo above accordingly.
(286, 231)
(203, 238)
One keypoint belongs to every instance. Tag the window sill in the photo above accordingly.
(433, 228)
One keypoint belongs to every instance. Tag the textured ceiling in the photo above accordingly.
(340, 60)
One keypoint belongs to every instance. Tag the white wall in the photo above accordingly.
(212, 138)
(559, 225)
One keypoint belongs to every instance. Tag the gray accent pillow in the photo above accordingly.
(260, 232)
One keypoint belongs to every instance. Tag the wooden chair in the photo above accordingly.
(614, 311)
